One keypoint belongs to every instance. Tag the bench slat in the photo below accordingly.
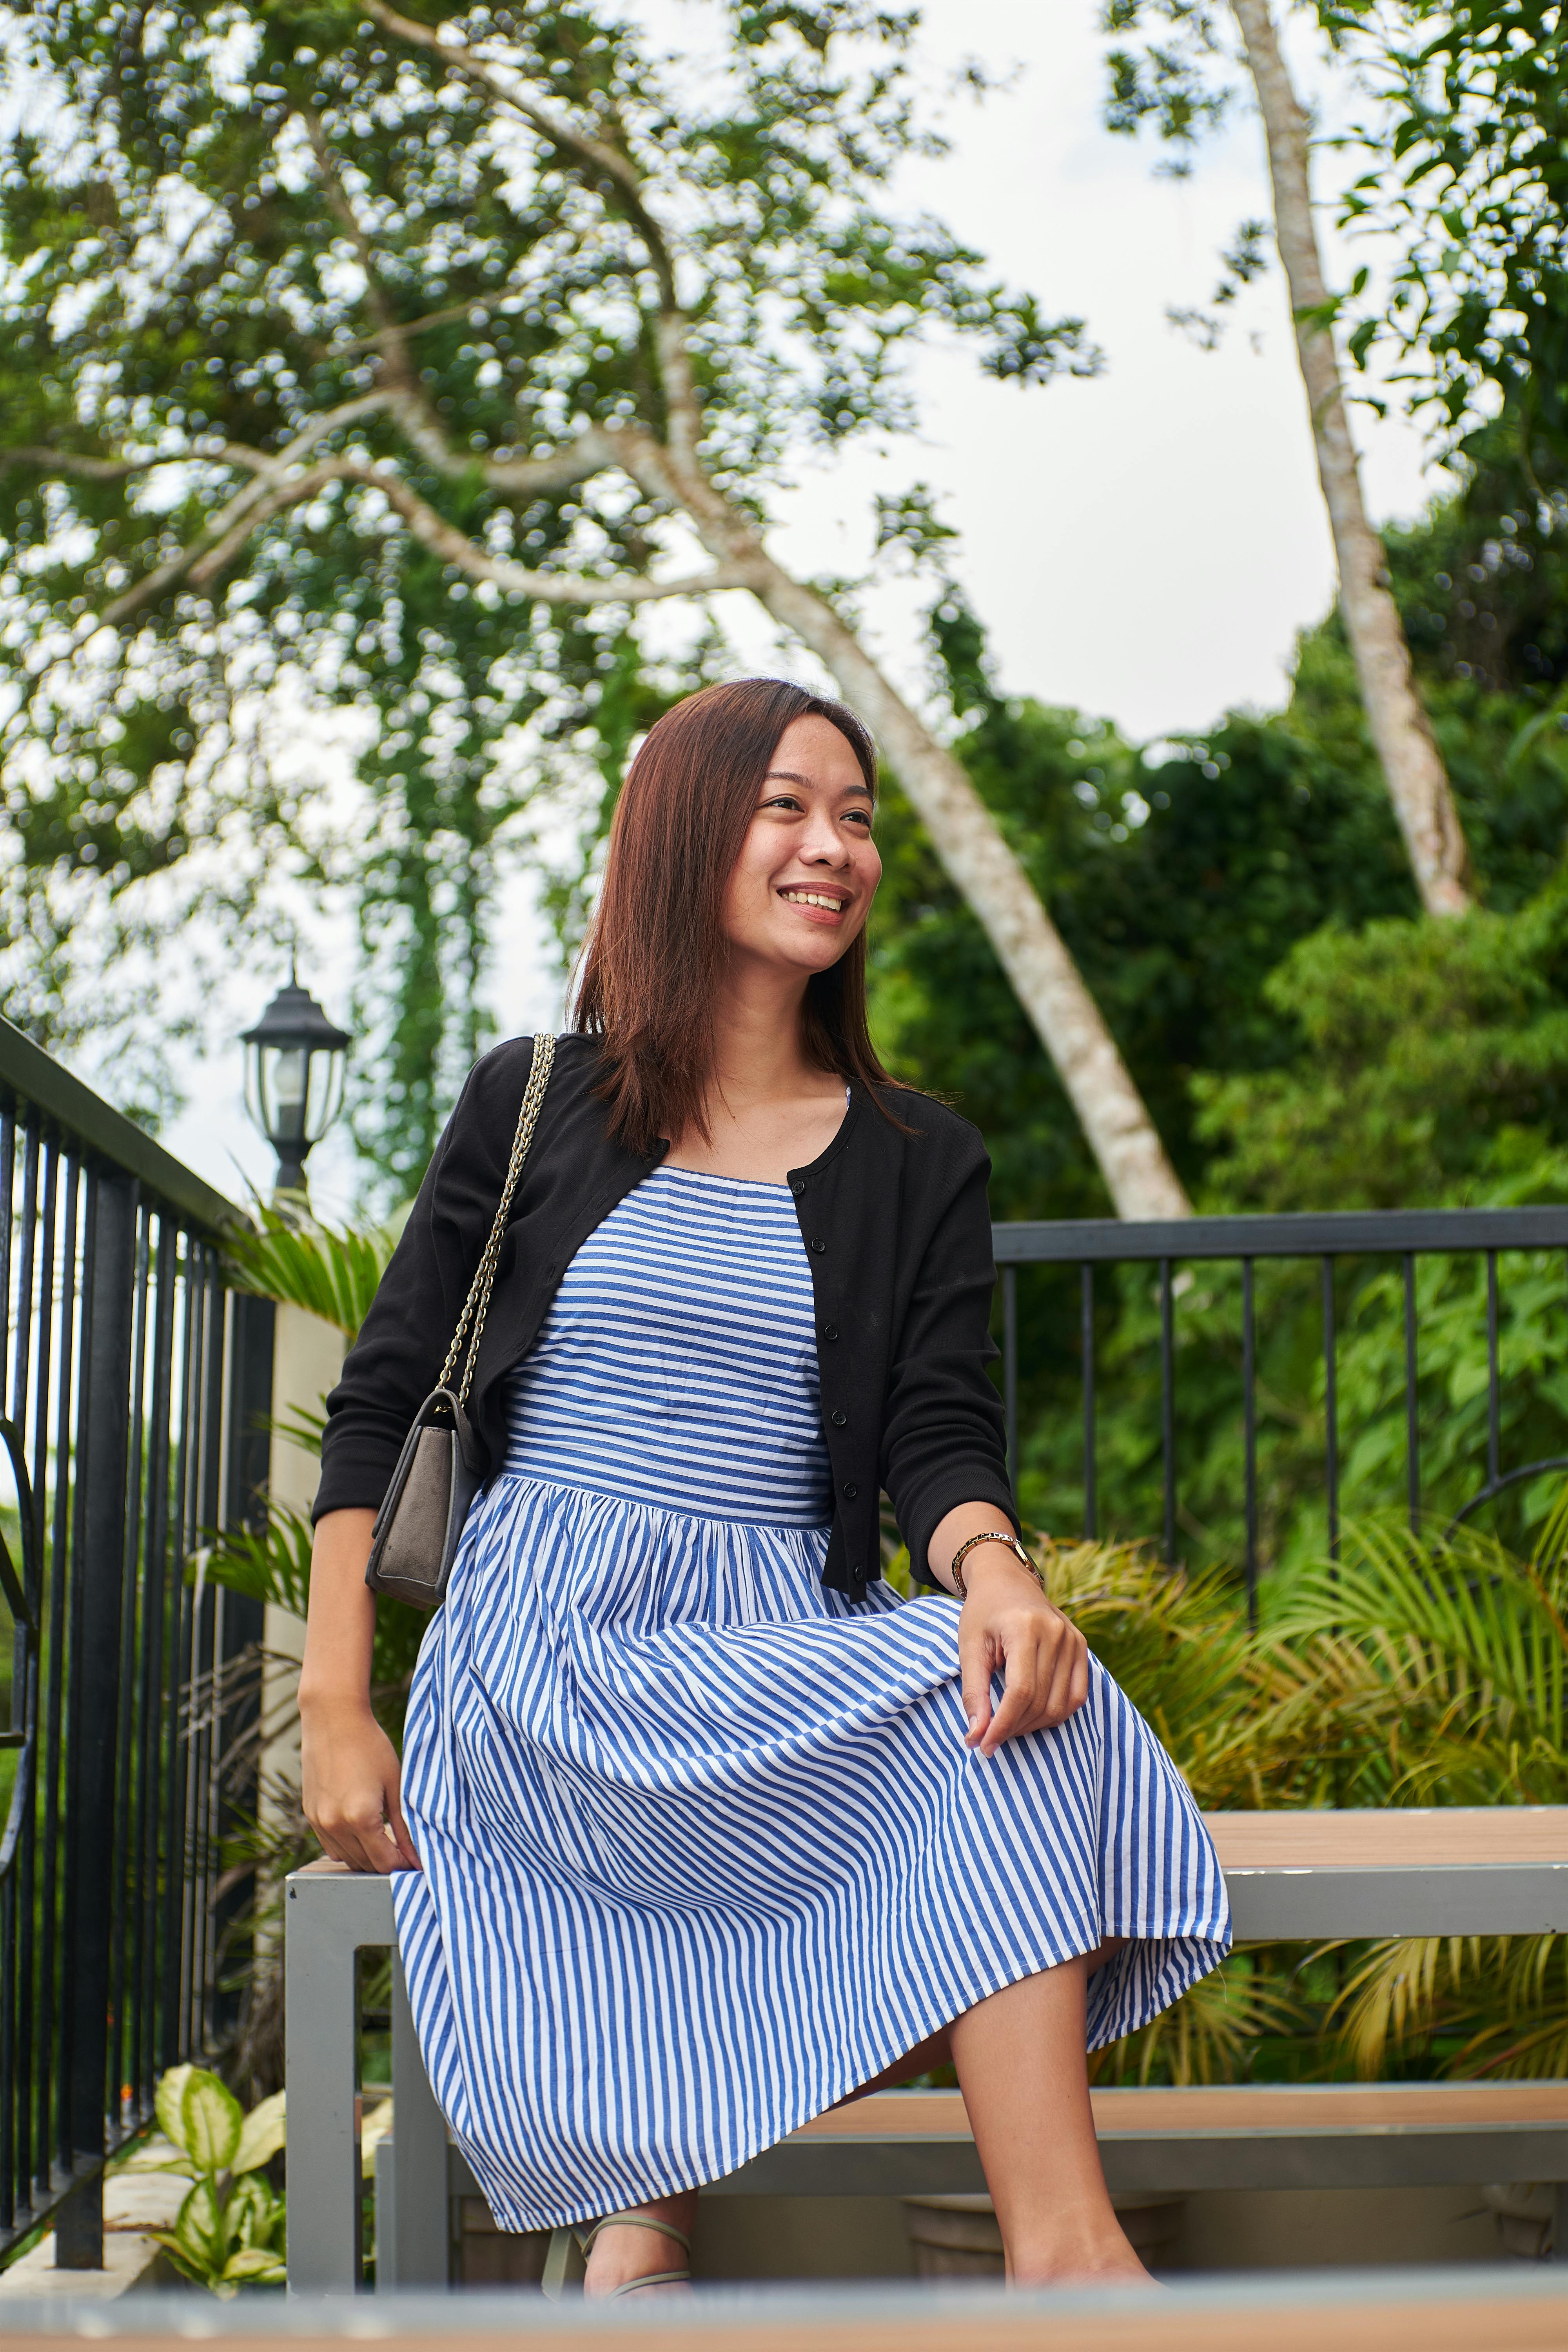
(1418, 1837)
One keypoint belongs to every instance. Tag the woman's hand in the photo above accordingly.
(350, 1779)
(352, 1787)
(1008, 1627)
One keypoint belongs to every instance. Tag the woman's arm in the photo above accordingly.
(351, 1781)
(1007, 1627)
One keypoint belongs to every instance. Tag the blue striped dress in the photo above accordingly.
(703, 1848)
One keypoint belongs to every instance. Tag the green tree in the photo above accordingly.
(1169, 69)
(325, 325)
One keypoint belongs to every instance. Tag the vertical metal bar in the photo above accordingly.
(73, 1574)
(1331, 1408)
(1090, 1496)
(1494, 1397)
(120, 2055)
(95, 1697)
(7, 1188)
(50, 2057)
(23, 1329)
(1412, 1420)
(26, 1853)
(155, 1610)
(1249, 1432)
(1010, 1366)
(210, 1762)
(1168, 1409)
(181, 1609)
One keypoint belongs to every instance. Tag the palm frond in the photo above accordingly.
(1212, 2033)
(331, 1272)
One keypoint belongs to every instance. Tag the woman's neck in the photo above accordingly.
(769, 1109)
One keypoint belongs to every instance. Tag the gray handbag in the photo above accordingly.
(420, 1523)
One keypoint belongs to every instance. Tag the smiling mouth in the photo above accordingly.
(829, 903)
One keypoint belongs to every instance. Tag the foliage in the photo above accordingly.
(1437, 1673)
(229, 2229)
(1472, 110)
(332, 365)
(301, 1262)
(333, 1273)
(1426, 1049)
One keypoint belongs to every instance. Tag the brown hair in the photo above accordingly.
(654, 958)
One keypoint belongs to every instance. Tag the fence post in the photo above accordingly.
(102, 1448)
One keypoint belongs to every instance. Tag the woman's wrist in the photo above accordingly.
(317, 1697)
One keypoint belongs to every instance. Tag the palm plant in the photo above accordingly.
(1437, 1669)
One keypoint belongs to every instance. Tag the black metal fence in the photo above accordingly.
(133, 1391)
(1218, 1348)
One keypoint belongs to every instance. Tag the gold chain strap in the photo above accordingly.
(478, 1298)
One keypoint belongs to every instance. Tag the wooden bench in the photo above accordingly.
(1302, 1877)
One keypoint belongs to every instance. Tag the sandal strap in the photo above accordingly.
(654, 2278)
(634, 2221)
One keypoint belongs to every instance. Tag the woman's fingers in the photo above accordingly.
(1019, 1695)
(975, 1678)
(397, 1829)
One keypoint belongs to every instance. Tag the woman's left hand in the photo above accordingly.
(1008, 1627)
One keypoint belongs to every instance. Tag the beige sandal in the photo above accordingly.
(640, 2222)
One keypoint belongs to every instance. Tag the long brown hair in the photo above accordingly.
(656, 953)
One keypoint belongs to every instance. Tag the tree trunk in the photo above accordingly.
(1412, 764)
(1032, 952)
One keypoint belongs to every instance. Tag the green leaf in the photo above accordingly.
(248, 2215)
(167, 2104)
(199, 2232)
(254, 2265)
(212, 2119)
(261, 2135)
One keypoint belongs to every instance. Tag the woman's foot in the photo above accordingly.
(644, 2251)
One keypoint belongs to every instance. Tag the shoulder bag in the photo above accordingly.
(420, 1523)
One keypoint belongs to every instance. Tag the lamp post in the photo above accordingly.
(294, 1060)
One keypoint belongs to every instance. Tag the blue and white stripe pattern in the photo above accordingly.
(703, 1849)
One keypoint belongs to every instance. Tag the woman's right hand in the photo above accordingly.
(351, 1780)
(351, 1787)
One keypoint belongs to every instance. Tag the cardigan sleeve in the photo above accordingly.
(396, 1358)
(944, 1429)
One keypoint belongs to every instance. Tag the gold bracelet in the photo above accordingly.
(992, 1535)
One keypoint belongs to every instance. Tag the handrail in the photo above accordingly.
(31, 1078)
(1336, 1232)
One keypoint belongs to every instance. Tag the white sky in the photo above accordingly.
(1143, 546)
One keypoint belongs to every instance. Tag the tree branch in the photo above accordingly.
(605, 158)
(72, 461)
(272, 494)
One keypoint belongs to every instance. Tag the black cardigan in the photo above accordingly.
(898, 1235)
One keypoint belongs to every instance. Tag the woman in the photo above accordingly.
(698, 1830)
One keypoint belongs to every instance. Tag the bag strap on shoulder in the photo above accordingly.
(477, 1304)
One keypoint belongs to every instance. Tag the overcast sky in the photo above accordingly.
(1144, 546)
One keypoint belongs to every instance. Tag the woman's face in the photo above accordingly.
(808, 869)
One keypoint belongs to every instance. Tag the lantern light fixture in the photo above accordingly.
(294, 1065)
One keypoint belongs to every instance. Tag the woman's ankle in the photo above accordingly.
(1066, 2248)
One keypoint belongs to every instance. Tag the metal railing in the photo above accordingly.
(133, 1391)
(1325, 1269)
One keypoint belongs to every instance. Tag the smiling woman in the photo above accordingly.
(741, 869)
(698, 1830)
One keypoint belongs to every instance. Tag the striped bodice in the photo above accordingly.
(677, 1364)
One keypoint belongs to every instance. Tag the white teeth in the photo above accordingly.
(813, 899)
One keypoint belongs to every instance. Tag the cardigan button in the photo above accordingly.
(797, 1185)
(840, 1419)
(819, 1247)
(852, 1490)
(830, 1330)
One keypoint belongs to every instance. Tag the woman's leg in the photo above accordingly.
(1021, 2066)
(623, 2253)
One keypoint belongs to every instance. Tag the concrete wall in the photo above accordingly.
(307, 1358)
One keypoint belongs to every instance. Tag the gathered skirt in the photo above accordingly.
(703, 1848)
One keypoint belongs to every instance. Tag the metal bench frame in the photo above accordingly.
(1305, 1877)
